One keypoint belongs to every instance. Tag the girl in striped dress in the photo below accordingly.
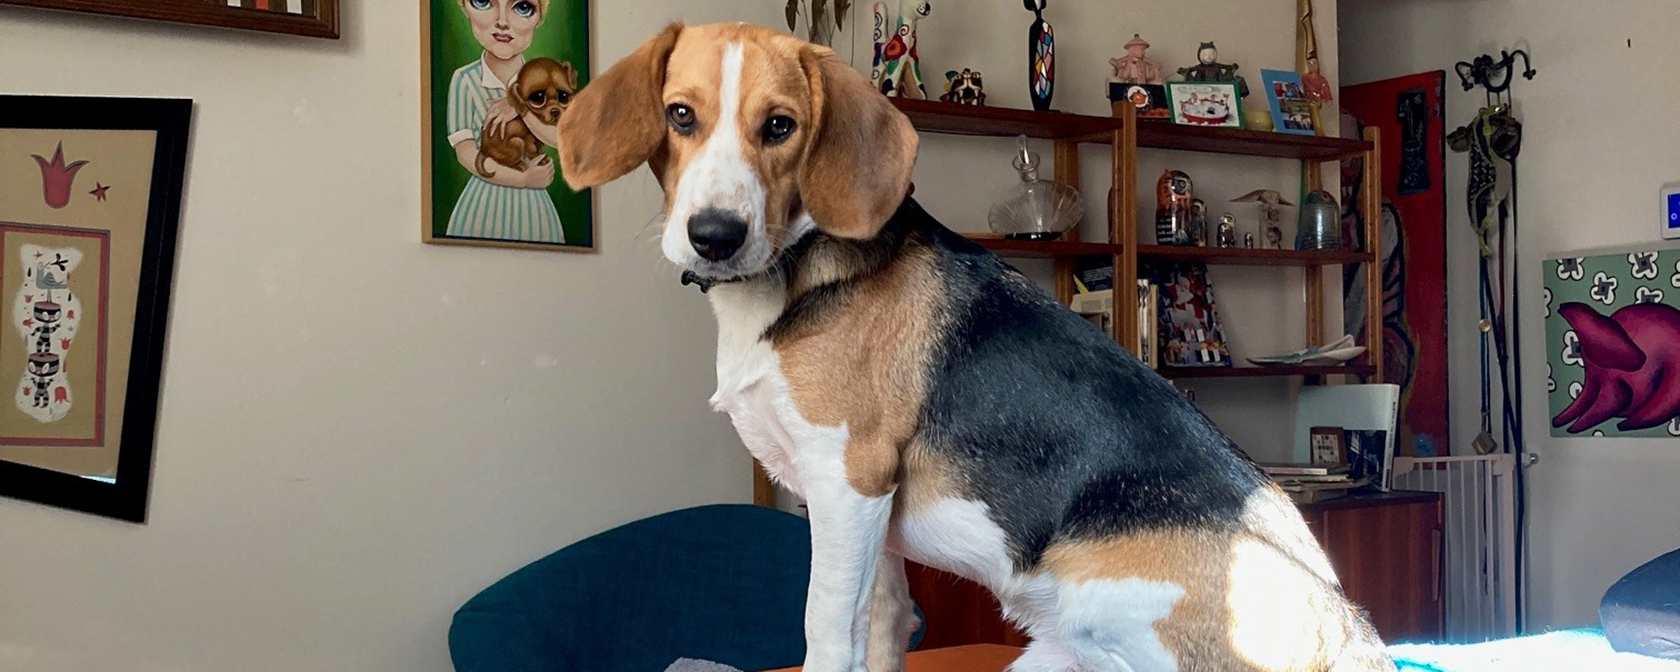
(511, 205)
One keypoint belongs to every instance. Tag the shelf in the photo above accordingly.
(1163, 135)
(1003, 122)
(1268, 371)
(1046, 249)
(1242, 256)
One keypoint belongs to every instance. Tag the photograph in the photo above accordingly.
(1150, 100)
(1212, 104)
(1291, 111)
(90, 190)
(497, 76)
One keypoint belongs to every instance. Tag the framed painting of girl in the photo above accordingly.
(497, 75)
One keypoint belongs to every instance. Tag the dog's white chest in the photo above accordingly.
(751, 387)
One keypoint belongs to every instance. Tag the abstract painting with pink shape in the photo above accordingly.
(1613, 344)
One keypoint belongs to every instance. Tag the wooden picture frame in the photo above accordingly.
(1328, 447)
(87, 250)
(456, 65)
(310, 18)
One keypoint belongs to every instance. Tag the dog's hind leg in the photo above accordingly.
(892, 616)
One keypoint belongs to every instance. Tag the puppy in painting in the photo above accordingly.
(540, 94)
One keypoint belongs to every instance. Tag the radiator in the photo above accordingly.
(1479, 539)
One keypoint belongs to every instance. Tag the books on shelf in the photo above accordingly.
(1367, 414)
(1276, 470)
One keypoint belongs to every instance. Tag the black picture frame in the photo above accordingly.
(171, 119)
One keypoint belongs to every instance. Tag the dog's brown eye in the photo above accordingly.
(682, 117)
(778, 128)
(563, 97)
(538, 97)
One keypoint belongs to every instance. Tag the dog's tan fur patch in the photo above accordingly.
(864, 363)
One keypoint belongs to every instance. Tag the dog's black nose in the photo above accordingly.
(716, 234)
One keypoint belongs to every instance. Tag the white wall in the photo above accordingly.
(346, 451)
(1590, 169)
(358, 431)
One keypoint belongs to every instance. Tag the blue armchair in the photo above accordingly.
(724, 583)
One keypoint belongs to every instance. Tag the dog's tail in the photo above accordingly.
(482, 171)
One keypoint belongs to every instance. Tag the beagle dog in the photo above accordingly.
(929, 402)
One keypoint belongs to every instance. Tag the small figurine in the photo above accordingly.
(1271, 218)
(897, 68)
(1315, 85)
(1174, 208)
(1227, 230)
(1198, 222)
(1248, 240)
(1041, 56)
(1209, 69)
(964, 88)
(1135, 67)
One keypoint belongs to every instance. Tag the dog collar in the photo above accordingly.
(704, 283)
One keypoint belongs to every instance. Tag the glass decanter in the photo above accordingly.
(1035, 208)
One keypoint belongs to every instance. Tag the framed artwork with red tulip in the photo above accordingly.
(90, 191)
(312, 18)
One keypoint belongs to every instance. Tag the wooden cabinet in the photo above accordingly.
(1386, 549)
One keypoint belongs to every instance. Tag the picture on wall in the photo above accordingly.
(90, 189)
(313, 18)
(498, 75)
(1214, 104)
(1613, 344)
(1291, 110)
(1410, 113)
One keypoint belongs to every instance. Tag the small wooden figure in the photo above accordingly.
(1174, 208)
(964, 88)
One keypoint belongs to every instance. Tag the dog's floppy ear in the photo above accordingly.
(857, 167)
(617, 122)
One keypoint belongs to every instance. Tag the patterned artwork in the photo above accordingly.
(1191, 334)
(306, 7)
(46, 314)
(87, 233)
(1413, 270)
(1613, 343)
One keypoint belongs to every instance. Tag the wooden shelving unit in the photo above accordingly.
(1126, 136)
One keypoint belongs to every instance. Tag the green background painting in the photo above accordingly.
(1607, 283)
(563, 36)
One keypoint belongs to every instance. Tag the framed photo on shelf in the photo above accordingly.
(90, 191)
(1207, 104)
(474, 191)
(311, 18)
(1291, 111)
(1150, 100)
